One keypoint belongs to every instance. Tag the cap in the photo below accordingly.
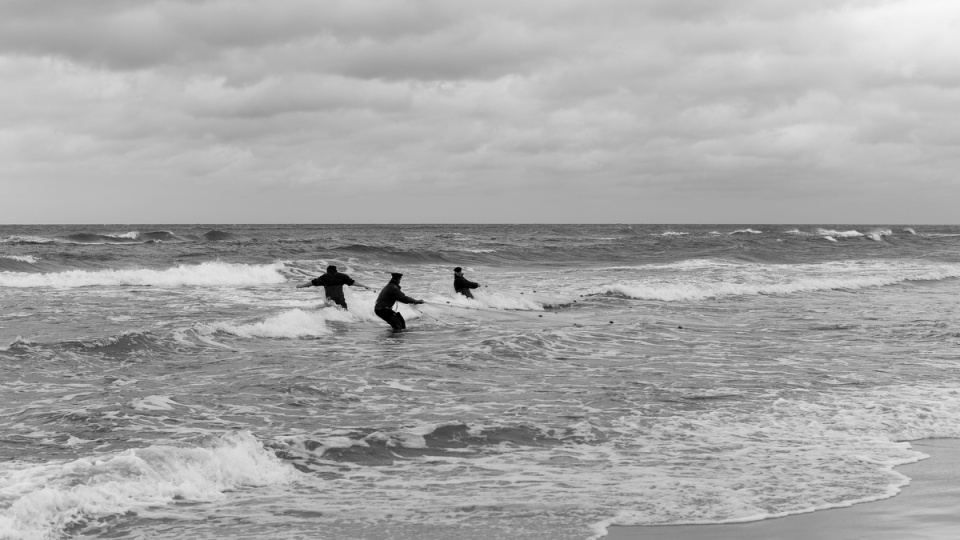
(396, 274)
(457, 269)
(331, 268)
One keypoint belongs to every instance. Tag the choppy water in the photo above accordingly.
(171, 382)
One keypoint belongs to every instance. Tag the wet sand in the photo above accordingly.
(925, 509)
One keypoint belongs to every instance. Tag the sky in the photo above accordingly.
(503, 111)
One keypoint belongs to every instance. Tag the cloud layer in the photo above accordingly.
(433, 111)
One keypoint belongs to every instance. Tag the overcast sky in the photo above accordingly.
(373, 111)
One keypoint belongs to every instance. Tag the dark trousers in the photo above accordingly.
(338, 300)
(394, 319)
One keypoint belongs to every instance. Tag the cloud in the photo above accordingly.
(628, 104)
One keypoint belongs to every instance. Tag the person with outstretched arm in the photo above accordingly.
(389, 296)
(332, 283)
(461, 284)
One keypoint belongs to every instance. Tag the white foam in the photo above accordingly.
(878, 234)
(738, 461)
(291, 324)
(28, 240)
(21, 258)
(768, 279)
(132, 235)
(841, 234)
(76, 441)
(210, 274)
(154, 403)
(489, 301)
(687, 264)
(47, 499)
(746, 231)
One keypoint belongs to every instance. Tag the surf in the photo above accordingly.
(210, 274)
(48, 500)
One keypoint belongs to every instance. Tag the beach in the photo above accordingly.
(925, 509)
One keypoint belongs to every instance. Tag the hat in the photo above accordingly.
(457, 269)
(397, 275)
(331, 268)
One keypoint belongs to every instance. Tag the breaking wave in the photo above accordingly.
(204, 274)
(672, 292)
(292, 324)
(46, 501)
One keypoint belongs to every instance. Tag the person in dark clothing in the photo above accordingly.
(461, 284)
(332, 283)
(390, 295)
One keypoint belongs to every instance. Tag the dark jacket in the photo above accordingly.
(332, 283)
(460, 282)
(390, 295)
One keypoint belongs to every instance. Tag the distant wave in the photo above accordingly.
(700, 291)
(21, 239)
(221, 236)
(873, 234)
(46, 499)
(878, 234)
(119, 238)
(30, 259)
(206, 274)
(18, 263)
(398, 255)
(165, 236)
(839, 234)
(746, 231)
(132, 235)
(90, 238)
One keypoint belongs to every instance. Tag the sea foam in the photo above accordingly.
(209, 274)
(132, 235)
(853, 233)
(44, 501)
(291, 324)
(760, 284)
(21, 258)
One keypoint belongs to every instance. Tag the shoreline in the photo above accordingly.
(924, 509)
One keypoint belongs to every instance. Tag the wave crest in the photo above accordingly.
(49, 499)
(292, 324)
(211, 274)
(673, 292)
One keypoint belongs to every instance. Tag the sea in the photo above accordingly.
(171, 381)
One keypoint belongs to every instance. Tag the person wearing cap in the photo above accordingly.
(461, 284)
(332, 283)
(389, 296)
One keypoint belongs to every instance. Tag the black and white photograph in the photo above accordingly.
(446, 270)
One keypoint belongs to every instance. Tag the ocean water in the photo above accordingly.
(170, 381)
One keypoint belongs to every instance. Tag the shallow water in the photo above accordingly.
(170, 381)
